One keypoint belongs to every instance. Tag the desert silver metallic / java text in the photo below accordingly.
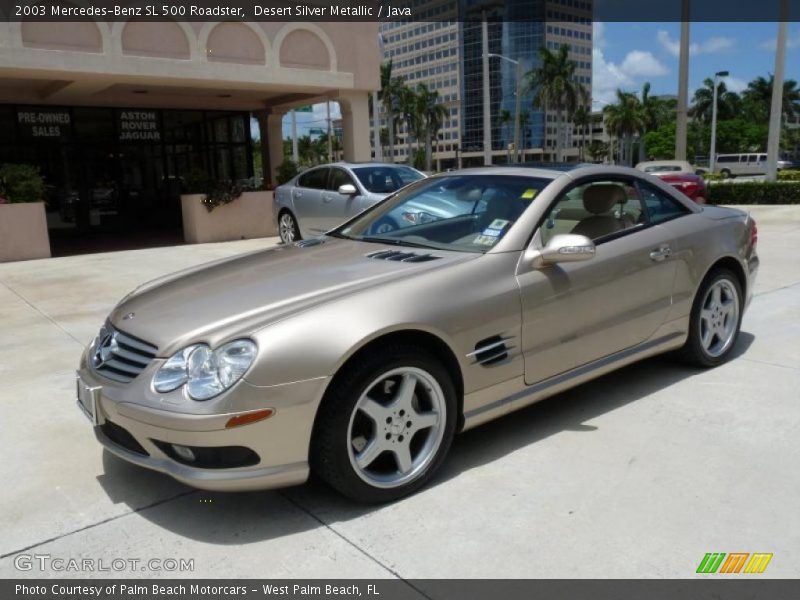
(719, 318)
(396, 427)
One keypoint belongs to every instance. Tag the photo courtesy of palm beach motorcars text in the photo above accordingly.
(106, 591)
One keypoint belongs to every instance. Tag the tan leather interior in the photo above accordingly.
(599, 200)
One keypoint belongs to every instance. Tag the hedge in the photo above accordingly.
(755, 192)
(785, 175)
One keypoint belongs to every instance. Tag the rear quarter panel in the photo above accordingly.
(701, 239)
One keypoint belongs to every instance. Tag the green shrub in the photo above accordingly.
(215, 193)
(789, 175)
(22, 183)
(709, 176)
(285, 171)
(755, 192)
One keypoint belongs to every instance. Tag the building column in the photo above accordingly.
(355, 126)
(271, 124)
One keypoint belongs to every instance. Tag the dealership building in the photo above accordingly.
(118, 115)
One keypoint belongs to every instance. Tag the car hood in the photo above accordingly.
(237, 296)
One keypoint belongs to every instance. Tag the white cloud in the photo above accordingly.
(792, 41)
(638, 63)
(710, 46)
(670, 45)
(607, 76)
(599, 34)
(734, 84)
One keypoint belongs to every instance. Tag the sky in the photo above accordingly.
(626, 55)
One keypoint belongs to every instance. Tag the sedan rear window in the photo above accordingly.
(388, 179)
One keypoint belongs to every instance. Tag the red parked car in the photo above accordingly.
(680, 175)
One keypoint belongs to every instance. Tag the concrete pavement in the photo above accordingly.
(637, 474)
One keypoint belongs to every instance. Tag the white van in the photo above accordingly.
(731, 165)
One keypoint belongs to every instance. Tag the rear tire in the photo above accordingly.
(287, 228)
(726, 174)
(385, 425)
(715, 320)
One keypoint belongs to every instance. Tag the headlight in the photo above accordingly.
(205, 372)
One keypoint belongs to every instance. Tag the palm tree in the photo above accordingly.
(554, 87)
(654, 115)
(432, 115)
(758, 99)
(624, 120)
(582, 118)
(525, 133)
(503, 119)
(407, 105)
(728, 103)
(390, 91)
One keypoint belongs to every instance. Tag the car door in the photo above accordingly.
(338, 207)
(575, 313)
(307, 200)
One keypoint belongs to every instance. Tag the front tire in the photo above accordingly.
(287, 228)
(715, 320)
(385, 425)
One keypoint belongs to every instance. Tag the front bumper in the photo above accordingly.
(281, 442)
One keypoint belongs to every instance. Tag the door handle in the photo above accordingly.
(327, 198)
(661, 253)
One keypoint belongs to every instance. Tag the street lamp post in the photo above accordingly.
(683, 85)
(776, 107)
(517, 101)
(712, 161)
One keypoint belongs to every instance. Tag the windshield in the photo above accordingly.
(467, 213)
(386, 179)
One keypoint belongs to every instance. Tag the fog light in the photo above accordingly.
(184, 452)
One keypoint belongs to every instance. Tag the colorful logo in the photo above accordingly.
(736, 562)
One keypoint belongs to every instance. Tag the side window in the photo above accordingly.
(338, 177)
(660, 207)
(315, 179)
(597, 210)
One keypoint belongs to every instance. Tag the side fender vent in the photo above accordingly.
(491, 350)
(400, 256)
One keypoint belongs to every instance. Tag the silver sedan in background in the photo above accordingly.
(323, 197)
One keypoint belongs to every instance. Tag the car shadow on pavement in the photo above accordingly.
(249, 517)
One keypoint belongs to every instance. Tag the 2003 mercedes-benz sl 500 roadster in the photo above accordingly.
(359, 354)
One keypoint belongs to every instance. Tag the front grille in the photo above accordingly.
(120, 356)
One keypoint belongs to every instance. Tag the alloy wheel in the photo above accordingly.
(396, 427)
(719, 318)
(287, 228)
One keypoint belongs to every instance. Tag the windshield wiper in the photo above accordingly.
(341, 236)
(393, 242)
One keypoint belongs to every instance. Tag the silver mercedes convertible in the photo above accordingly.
(358, 355)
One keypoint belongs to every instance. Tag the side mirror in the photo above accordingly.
(563, 248)
(348, 189)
